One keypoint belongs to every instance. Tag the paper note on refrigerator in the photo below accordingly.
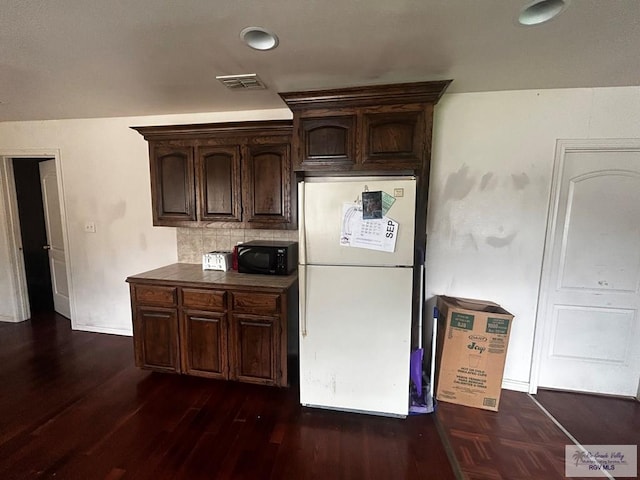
(379, 234)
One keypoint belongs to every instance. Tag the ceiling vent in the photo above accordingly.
(248, 81)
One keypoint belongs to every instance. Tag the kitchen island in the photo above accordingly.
(215, 324)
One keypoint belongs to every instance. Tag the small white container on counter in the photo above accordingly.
(217, 261)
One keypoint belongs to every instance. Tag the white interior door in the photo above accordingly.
(590, 292)
(53, 223)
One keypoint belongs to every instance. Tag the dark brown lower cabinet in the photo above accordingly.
(213, 331)
(156, 339)
(204, 344)
(255, 347)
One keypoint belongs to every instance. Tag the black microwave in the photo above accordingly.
(268, 257)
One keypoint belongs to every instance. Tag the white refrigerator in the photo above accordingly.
(356, 301)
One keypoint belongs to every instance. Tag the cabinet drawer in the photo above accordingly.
(257, 303)
(155, 295)
(202, 299)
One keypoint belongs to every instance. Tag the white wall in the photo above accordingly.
(489, 195)
(105, 175)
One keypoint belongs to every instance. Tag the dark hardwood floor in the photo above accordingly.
(594, 419)
(74, 406)
(522, 442)
(517, 442)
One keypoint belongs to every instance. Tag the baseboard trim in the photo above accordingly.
(110, 331)
(8, 319)
(515, 385)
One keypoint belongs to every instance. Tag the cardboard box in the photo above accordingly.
(472, 341)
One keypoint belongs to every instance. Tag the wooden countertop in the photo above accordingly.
(192, 274)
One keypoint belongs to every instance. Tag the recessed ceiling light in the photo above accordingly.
(542, 11)
(259, 38)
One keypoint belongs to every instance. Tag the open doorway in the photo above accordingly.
(32, 192)
(26, 173)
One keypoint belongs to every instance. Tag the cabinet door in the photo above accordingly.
(393, 140)
(267, 186)
(326, 142)
(172, 184)
(204, 344)
(156, 338)
(219, 183)
(254, 349)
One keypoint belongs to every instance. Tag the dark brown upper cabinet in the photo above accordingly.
(232, 174)
(393, 139)
(172, 184)
(384, 128)
(267, 185)
(327, 141)
(220, 183)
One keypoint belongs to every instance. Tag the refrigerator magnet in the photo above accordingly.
(371, 205)
(387, 202)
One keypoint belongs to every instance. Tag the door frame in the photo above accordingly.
(18, 277)
(563, 147)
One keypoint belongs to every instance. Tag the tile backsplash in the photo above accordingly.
(194, 242)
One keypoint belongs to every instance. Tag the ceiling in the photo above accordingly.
(95, 58)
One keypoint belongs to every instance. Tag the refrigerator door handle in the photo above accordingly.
(302, 278)
(302, 255)
(302, 244)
